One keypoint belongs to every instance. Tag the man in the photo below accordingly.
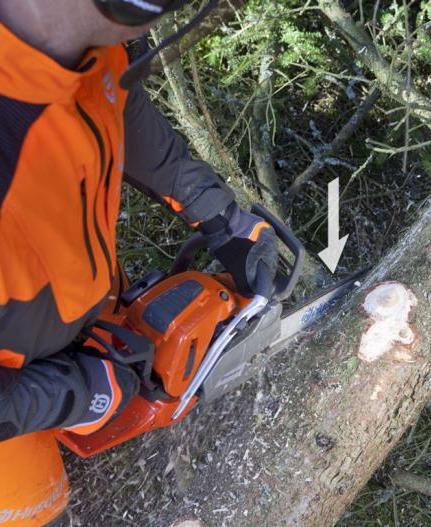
(68, 133)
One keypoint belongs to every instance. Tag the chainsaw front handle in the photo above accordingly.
(264, 285)
(284, 285)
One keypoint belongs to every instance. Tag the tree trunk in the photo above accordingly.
(294, 447)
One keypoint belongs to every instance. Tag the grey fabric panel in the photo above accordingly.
(45, 394)
(35, 328)
(59, 381)
(57, 392)
(53, 387)
(158, 162)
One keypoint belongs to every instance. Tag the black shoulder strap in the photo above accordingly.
(140, 68)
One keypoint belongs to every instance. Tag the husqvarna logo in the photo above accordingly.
(100, 403)
(109, 87)
(31, 512)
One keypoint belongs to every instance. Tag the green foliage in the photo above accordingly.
(267, 27)
(392, 30)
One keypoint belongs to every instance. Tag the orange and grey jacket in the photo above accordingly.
(66, 139)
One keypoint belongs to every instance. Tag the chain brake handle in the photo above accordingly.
(283, 286)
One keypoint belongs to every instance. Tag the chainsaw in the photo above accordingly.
(192, 338)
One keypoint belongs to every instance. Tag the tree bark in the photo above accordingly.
(262, 147)
(296, 445)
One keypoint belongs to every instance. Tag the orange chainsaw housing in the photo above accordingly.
(180, 316)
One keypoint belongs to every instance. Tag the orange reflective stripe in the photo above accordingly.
(173, 203)
(257, 229)
(11, 359)
(117, 396)
(176, 206)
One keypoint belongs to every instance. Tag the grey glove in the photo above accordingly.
(242, 241)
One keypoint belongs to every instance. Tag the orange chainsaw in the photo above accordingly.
(192, 338)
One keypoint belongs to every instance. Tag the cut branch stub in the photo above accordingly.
(388, 306)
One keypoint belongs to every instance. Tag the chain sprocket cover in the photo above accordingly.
(235, 366)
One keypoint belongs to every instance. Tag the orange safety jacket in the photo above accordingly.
(66, 138)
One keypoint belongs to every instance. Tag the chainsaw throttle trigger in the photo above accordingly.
(284, 285)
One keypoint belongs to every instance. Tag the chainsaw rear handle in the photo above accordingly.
(284, 285)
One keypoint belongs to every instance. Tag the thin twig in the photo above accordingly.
(412, 482)
(392, 150)
(340, 139)
(408, 87)
(240, 116)
(153, 244)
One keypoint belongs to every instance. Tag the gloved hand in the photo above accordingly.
(241, 241)
(111, 386)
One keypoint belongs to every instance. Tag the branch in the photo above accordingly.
(412, 482)
(340, 139)
(391, 81)
(221, 149)
(193, 124)
(261, 136)
(223, 15)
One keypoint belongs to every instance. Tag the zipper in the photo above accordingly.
(102, 242)
(98, 136)
(92, 125)
(107, 182)
(86, 232)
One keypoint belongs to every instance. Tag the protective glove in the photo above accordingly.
(242, 241)
(111, 386)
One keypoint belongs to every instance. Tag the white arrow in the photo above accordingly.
(332, 254)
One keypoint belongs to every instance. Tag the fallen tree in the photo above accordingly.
(296, 445)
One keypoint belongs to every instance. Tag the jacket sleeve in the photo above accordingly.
(78, 392)
(158, 163)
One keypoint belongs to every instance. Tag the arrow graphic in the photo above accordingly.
(332, 254)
